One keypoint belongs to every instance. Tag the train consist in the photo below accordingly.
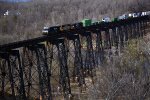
(89, 22)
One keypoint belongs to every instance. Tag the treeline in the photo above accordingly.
(38, 13)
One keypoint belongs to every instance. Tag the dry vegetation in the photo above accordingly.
(36, 14)
(126, 77)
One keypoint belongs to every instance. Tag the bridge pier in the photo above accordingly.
(87, 54)
(74, 59)
(59, 68)
(37, 73)
(115, 37)
(99, 50)
(14, 72)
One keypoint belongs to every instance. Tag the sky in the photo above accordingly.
(16, 0)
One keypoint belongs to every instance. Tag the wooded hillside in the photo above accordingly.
(39, 13)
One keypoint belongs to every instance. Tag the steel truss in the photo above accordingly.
(12, 75)
(88, 54)
(74, 59)
(59, 68)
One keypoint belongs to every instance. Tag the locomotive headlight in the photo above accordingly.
(45, 30)
(51, 30)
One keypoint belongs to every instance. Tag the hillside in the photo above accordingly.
(37, 14)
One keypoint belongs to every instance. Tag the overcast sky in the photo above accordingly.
(16, 0)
